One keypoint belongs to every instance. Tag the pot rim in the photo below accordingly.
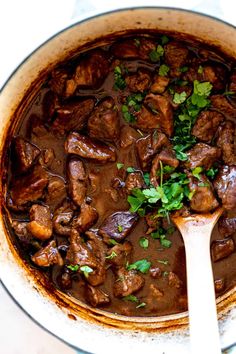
(83, 19)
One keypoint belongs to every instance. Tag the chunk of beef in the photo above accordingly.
(227, 226)
(118, 226)
(225, 185)
(87, 218)
(56, 191)
(62, 219)
(155, 272)
(203, 199)
(92, 70)
(25, 153)
(58, 80)
(103, 123)
(72, 115)
(222, 248)
(215, 74)
(145, 46)
(121, 253)
(127, 282)
(126, 49)
(159, 84)
(202, 155)
(134, 180)
(47, 157)
(48, 256)
(77, 181)
(153, 222)
(206, 125)
(174, 281)
(128, 136)
(49, 105)
(162, 106)
(146, 120)
(89, 149)
(64, 279)
(149, 146)
(21, 231)
(175, 56)
(226, 141)
(219, 285)
(30, 187)
(221, 103)
(232, 85)
(138, 82)
(40, 225)
(167, 157)
(96, 297)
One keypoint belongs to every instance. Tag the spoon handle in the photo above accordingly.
(204, 332)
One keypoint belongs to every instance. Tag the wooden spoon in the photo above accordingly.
(196, 232)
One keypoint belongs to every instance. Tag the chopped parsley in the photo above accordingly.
(130, 169)
(74, 268)
(120, 83)
(156, 54)
(196, 172)
(142, 266)
(141, 305)
(131, 298)
(186, 115)
(163, 70)
(212, 172)
(200, 69)
(119, 228)
(163, 261)
(179, 97)
(113, 242)
(112, 255)
(160, 234)
(164, 39)
(86, 270)
(146, 177)
(119, 165)
(137, 42)
(133, 104)
(143, 242)
(184, 69)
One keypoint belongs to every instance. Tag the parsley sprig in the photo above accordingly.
(133, 104)
(120, 83)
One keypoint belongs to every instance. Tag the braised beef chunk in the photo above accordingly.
(206, 125)
(225, 186)
(226, 141)
(176, 56)
(87, 218)
(138, 82)
(203, 199)
(48, 256)
(62, 219)
(127, 282)
(25, 152)
(119, 255)
(103, 123)
(92, 70)
(87, 148)
(30, 187)
(96, 297)
(202, 155)
(40, 225)
(116, 142)
(148, 146)
(72, 116)
(221, 103)
(159, 84)
(227, 226)
(222, 248)
(118, 226)
(77, 181)
(134, 180)
(161, 105)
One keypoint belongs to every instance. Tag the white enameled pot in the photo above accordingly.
(92, 330)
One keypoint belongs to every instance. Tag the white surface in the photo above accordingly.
(24, 24)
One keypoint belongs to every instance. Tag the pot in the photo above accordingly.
(71, 320)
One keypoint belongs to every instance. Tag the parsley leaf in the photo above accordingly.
(164, 39)
(112, 255)
(130, 169)
(143, 242)
(163, 70)
(131, 298)
(163, 261)
(196, 172)
(120, 228)
(133, 104)
(160, 234)
(200, 69)
(184, 69)
(142, 266)
(179, 97)
(212, 172)
(120, 83)
(86, 270)
(155, 54)
(119, 165)
(141, 305)
(137, 42)
(113, 242)
(74, 268)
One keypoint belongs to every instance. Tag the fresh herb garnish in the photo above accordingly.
(74, 268)
(164, 39)
(119, 228)
(163, 70)
(141, 305)
(143, 242)
(200, 69)
(184, 69)
(165, 274)
(86, 270)
(131, 298)
(196, 172)
(120, 83)
(113, 242)
(137, 42)
(142, 266)
(112, 255)
(133, 104)
(179, 97)
(119, 165)
(130, 169)
(212, 172)
(155, 54)
(163, 261)
(160, 234)
(146, 177)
